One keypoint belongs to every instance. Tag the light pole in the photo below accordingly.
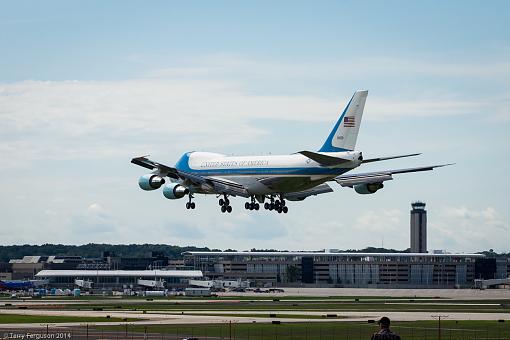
(439, 324)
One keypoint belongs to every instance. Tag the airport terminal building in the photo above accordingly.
(329, 269)
(118, 279)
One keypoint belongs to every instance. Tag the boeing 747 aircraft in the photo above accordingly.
(273, 179)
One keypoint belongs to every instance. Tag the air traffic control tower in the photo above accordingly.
(418, 228)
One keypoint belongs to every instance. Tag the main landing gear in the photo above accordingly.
(253, 205)
(225, 204)
(189, 204)
(277, 205)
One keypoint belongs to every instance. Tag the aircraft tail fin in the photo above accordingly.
(345, 132)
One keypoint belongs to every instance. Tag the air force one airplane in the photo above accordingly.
(273, 179)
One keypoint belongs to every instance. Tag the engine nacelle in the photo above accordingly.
(174, 191)
(369, 188)
(151, 182)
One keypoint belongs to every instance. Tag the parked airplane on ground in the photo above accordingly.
(274, 179)
(15, 285)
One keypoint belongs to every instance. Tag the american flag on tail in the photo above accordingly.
(349, 121)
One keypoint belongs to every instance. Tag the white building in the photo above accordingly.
(118, 279)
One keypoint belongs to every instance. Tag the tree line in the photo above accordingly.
(95, 250)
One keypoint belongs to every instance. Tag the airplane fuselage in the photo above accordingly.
(255, 173)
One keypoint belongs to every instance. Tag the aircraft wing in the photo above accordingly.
(219, 186)
(379, 176)
(162, 169)
(301, 195)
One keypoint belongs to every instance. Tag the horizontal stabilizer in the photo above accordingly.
(367, 179)
(325, 160)
(370, 160)
(379, 176)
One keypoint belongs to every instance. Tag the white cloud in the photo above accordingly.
(238, 66)
(385, 108)
(461, 227)
(95, 219)
(76, 120)
(68, 120)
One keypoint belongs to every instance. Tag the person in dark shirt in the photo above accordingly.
(384, 332)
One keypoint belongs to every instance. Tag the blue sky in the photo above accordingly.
(84, 86)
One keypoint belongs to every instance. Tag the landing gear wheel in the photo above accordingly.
(285, 210)
(190, 205)
(257, 206)
(271, 206)
(223, 208)
(247, 205)
(266, 206)
(279, 209)
(229, 209)
(221, 202)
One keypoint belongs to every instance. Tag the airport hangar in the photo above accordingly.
(335, 269)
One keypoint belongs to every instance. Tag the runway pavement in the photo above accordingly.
(467, 294)
(154, 318)
(50, 307)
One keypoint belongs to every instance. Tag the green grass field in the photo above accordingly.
(280, 306)
(328, 304)
(325, 306)
(339, 330)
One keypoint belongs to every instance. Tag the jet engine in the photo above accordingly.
(151, 182)
(368, 188)
(174, 191)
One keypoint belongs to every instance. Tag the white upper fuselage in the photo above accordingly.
(266, 174)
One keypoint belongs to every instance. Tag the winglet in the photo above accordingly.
(370, 160)
(144, 162)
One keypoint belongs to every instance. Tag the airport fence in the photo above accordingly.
(263, 331)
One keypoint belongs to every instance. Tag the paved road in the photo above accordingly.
(468, 294)
(189, 318)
